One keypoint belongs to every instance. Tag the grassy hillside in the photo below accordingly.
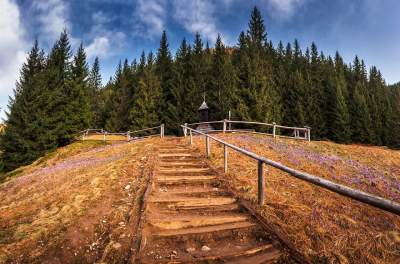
(324, 225)
(77, 204)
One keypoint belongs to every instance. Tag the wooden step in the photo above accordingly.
(167, 155)
(182, 170)
(200, 210)
(182, 179)
(270, 256)
(179, 201)
(184, 222)
(186, 164)
(204, 229)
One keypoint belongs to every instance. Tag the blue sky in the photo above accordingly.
(119, 29)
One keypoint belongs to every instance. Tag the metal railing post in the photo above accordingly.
(260, 183)
(185, 130)
(162, 130)
(191, 137)
(224, 127)
(225, 158)
(308, 133)
(274, 130)
(207, 147)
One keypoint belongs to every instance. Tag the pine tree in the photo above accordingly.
(165, 70)
(56, 96)
(144, 110)
(79, 107)
(256, 32)
(359, 111)
(264, 102)
(339, 118)
(97, 102)
(18, 141)
(223, 83)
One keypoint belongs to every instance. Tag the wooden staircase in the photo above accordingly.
(189, 219)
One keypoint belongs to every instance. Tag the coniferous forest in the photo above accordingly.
(58, 94)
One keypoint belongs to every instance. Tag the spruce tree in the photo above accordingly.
(56, 96)
(143, 113)
(223, 83)
(165, 70)
(19, 140)
(80, 113)
(97, 102)
(339, 118)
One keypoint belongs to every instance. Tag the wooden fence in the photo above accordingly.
(101, 134)
(376, 201)
(302, 133)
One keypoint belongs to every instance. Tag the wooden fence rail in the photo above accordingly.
(303, 133)
(83, 135)
(376, 201)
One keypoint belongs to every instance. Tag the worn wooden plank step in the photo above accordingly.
(184, 222)
(164, 164)
(262, 258)
(166, 155)
(180, 170)
(183, 201)
(200, 210)
(184, 178)
(204, 229)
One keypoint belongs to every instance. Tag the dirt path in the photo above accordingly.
(190, 219)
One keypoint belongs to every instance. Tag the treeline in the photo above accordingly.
(57, 96)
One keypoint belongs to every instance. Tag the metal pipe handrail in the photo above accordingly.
(209, 122)
(367, 198)
(145, 129)
(227, 128)
(127, 134)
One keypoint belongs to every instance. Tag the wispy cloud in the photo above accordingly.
(151, 16)
(53, 18)
(12, 48)
(197, 16)
(284, 8)
(104, 42)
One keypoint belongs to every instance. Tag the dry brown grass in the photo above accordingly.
(323, 225)
(73, 206)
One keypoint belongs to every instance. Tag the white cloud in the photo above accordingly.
(197, 16)
(284, 8)
(151, 15)
(105, 43)
(99, 47)
(12, 49)
(53, 19)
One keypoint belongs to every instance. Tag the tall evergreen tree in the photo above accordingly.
(223, 83)
(97, 101)
(79, 108)
(18, 141)
(144, 110)
(165, 70)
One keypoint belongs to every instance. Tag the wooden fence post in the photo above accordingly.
(224, 127)
(185, 130)
(208, 150)
(191, 137)
(260, 183)
(308, 133)
(225, 159)
(274, 130)
(104, 136)
(128, 137)
(162, 131)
